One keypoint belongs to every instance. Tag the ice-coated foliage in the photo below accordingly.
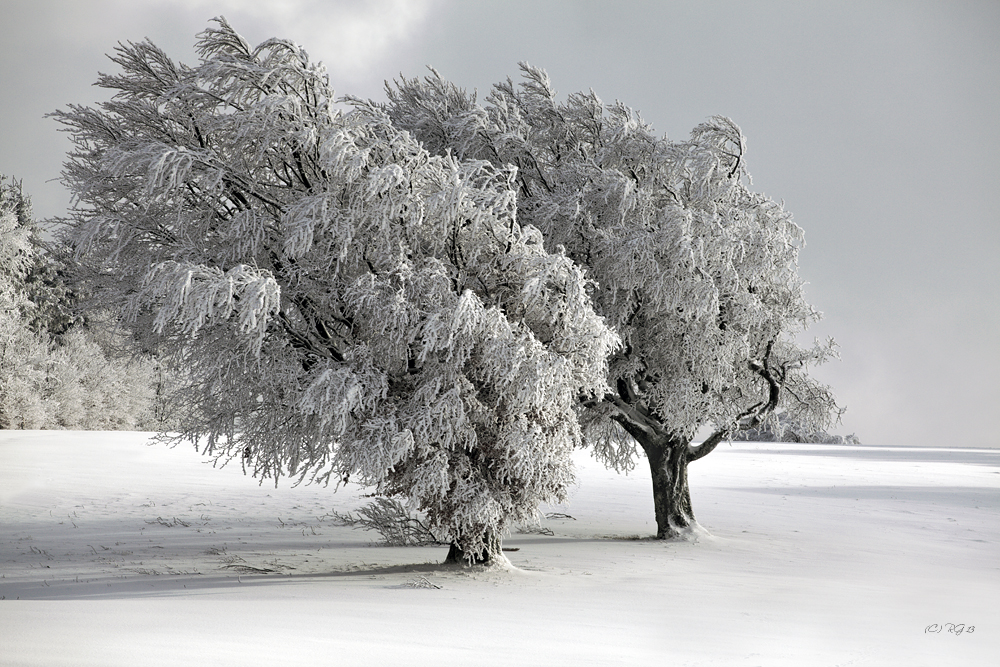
(55, 372)
(347, 304)
(697, 273)
(783, 429)
(16, 250)
(73, 383)
(23, 355)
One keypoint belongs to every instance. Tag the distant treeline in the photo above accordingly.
(63, 365)
(788, 430)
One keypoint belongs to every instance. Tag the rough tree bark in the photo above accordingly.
(668, 459)
(668, 462)
(458, 556)
(669, 454)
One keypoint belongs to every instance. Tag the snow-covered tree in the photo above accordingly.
(697, 273)
(22, 354)
(16, 248)
(55, 370)
(55, 304)
(785, 429)
(347, 305)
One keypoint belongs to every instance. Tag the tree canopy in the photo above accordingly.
(434, 296)
(696, 272)
(346, 304)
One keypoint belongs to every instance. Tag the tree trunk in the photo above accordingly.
(457, 555)
(668, 463)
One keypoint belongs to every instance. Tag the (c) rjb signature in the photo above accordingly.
(953, 628)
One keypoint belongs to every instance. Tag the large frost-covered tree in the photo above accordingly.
(697, 273)
(346, 304)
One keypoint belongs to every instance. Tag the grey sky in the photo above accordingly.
(875, 122)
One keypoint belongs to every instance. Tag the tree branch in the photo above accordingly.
(633, 414)
(756, 413)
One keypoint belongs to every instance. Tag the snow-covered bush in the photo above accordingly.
(390, 518)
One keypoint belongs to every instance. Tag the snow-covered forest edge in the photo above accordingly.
(114, 552)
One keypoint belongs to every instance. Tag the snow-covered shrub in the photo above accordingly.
(389, 518)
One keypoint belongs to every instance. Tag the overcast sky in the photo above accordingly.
(877, 123)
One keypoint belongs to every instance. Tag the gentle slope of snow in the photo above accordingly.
(117, 553)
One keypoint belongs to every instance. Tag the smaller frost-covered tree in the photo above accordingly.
(347, 305)
(784, 429)
(697, 273)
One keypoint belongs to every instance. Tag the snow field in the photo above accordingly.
(117, 553)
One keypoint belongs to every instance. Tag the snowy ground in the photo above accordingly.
(116, 553)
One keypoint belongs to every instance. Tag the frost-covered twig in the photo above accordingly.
(421, 582)
(393, 522)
